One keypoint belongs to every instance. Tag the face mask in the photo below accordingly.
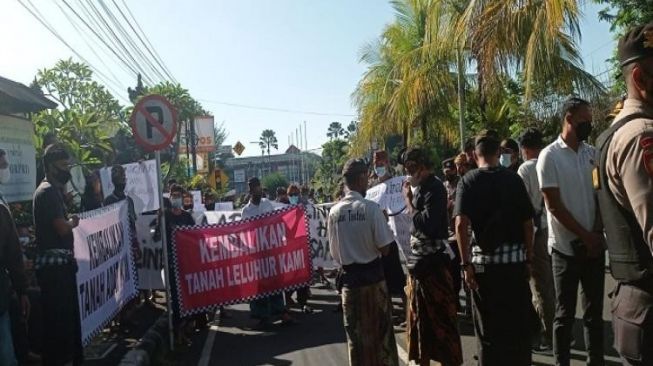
(293, 200)
(210, 206)
(5, 175)
(23, 240)
(188, 207)
(505, 160)
(380, 171)
(62, 176)
(583, 130)
(176, 202)
(451, 177)
(120, 187)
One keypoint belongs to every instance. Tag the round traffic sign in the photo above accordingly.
(154, 122)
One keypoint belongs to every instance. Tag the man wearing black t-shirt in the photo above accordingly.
(494, 200)
(55, 263)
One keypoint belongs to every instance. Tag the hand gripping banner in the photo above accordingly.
(242, 260)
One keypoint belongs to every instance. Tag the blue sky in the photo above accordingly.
(295, 55)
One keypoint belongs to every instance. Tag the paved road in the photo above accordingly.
(319, 339)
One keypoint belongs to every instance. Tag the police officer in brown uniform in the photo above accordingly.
(624, 181)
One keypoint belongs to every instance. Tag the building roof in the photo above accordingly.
(18, 98)
(265, 159)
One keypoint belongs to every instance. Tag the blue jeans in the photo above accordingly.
(7, 356)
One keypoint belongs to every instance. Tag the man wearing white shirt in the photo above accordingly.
(270, 308)
(541, 281)
(564, 170)
(359, 235)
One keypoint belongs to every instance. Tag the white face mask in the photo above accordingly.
(380, 171)
(293, 200)
(5, 175)
(176, 202)
(505, 160)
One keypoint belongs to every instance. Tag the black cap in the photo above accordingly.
(354, 167)
(486, 136)
(636, 44)
(448, 164)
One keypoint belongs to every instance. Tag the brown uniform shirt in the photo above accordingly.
(629, 166)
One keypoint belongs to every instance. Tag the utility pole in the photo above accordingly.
(187, 136)
(299, 165)
(461, 98)
(306, 157)
(193, 145)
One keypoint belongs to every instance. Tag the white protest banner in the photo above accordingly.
(318, 216)
(17, 140)
(142, 185)
(106, 276)
(388, 195)
(400, 225)
(197, 201)
(224, 206)
(150, 262)
(222, 217)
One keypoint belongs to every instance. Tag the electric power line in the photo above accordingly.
(273, 109)
(39, 17)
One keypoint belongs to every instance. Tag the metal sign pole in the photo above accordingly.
(164, 243)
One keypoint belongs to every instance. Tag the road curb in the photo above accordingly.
(154, 342)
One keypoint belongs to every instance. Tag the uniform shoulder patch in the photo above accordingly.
(646, 143)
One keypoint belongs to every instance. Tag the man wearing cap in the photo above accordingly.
(494, 201)
(359, 235)
(624, 182)
(541, 275)
(576, 243)
(55, 263)
(270, 308)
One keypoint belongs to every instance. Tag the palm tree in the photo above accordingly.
(335, 130)
(268, 139)
(352, 127)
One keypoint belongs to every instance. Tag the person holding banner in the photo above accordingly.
(12, 271)
(55, 263)
(359, 235)
(293, 197)
(432, 329)
(268, 308)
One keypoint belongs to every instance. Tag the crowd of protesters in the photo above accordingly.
(514, 222)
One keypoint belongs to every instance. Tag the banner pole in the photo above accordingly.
(164, 243)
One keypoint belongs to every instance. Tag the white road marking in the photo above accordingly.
(208, 346)
(403, 356)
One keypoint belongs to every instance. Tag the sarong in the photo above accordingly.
(368, 324)
(431, 327)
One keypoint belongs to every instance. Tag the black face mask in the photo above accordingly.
(120, 187)
(188, 207)
(583, 130)
(61, 176)
(256, 198)
(451, 177)
(210, 206)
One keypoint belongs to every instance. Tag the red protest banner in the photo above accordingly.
(242, 260)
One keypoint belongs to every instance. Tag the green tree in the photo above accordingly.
(350, 132)
(273, 181)
(334, 156)
(335, 130)
(88, 115)
(268, 139)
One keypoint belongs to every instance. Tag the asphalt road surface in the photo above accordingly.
(319, 339)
